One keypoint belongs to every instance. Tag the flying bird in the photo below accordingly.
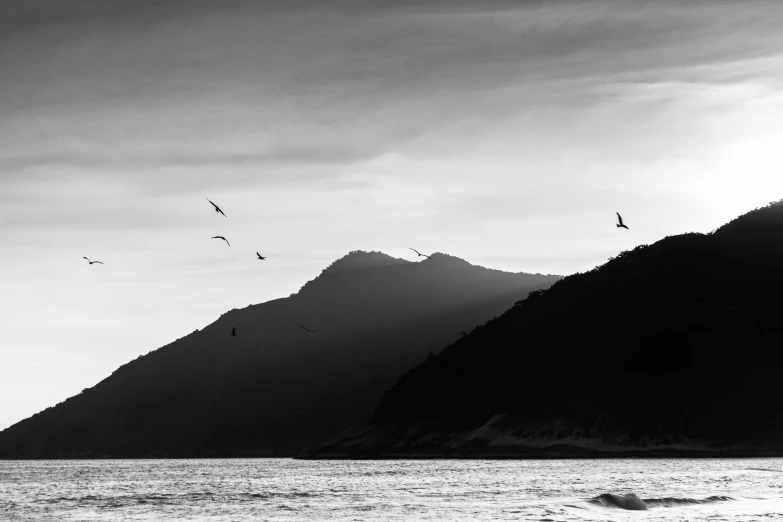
(620, 219)
(430, 353)
(217, 208)
(234, 331)
(93, 262)
(221, 237)
(306, 329)
(463, 334)
(260, 256)
(420, 254)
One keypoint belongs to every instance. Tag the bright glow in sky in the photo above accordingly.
(504, 132)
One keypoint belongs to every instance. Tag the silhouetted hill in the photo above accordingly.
(672, 348)
(274, 388)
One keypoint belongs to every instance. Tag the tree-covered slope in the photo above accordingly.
(672, 347)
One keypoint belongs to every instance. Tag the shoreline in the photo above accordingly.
(551, 452)
(556, 452)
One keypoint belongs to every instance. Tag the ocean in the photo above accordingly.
(288, 490)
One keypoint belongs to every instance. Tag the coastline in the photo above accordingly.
(555, 452)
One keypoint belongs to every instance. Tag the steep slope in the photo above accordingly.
(275, 388)
(673, 348)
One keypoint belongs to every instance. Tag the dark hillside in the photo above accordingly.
(672, 347)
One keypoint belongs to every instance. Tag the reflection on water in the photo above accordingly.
(279, 489)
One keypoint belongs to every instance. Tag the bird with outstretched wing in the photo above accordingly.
(217, 208)
(420, 254)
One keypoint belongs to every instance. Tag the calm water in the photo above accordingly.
(239, 490)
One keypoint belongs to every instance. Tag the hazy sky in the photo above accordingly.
(504, 132)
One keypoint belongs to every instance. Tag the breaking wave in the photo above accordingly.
(632, 502)
(629, 501)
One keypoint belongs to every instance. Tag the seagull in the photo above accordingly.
(260, 256)
(221, 237)
(233, 331)
(217, 208)
(307, 329)
(620, 219)
(420, 254)
(93, 262)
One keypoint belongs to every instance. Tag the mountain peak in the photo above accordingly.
(360, 259)
(356, 261)
(441, 258)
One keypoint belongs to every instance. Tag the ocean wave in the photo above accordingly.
(632, 502)
(674, 502)
(628, 501)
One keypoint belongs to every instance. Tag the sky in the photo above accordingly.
(507, 133)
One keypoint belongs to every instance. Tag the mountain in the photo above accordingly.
(675, 348)
(275, 388)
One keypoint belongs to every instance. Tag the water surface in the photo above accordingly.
(287, 490)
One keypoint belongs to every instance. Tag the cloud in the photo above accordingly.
(306, 81)
(125, 160)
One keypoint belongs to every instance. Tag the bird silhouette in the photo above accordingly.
(233, 331)
(260, 256)
(306, 329)
(93, 262)
(463, 334)
(217, 208)
(420, 254)
(620, 219)
(221, 237)
(430, 353)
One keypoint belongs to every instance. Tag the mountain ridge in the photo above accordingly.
(275, 388)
